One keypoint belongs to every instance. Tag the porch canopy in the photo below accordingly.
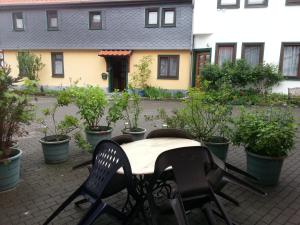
(105, 53)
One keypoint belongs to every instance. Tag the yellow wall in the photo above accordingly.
(87, 67)
(184, 69)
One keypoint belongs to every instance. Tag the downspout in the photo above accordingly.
(191, 47)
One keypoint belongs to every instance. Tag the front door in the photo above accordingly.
(118, 73)
(201, 58)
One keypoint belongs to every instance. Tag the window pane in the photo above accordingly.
(228, 2)
(173, 66)
(291, 60)
(225, 54)
(163, 66)
(152, 17)
(95, 22)
(252, 54)
(58, 67)
(169, 17)
(53, 22)
(96, 19)
(256, 1)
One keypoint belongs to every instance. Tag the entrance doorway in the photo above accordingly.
(118, 73)
(201, 57)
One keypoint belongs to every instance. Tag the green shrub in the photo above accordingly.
(141, 75)
(268, 132)
(29, 65)
(157, 93)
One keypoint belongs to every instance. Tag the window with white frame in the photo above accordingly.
(228, 4)
(256, 3)
(290, 59)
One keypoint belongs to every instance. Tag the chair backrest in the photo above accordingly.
(108, 158)
(123, 139)
(168, 132)
(190, 166)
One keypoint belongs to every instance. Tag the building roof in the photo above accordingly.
(24, 3)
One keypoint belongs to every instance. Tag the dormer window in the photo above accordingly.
(228, 4)
(18, 21)
(168, 17)
(256, 3)
(52, 20)
(152, 17)
(95, 21)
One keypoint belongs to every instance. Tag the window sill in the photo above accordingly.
(292, 78)
(228, 7)
(95, 29)
(255, 6)
(168, 26)
(53, 29)
(168, 78)
(18, 30)
(151, 26)
(58, 75)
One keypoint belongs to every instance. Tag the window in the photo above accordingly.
(292, 2)
(57, 64)
(168, 18)
(18, 21)
(1, 58)
(256, 3)
(168, 67)
(95, 21)
(52, 20)
(228, 4)
(225, 52)
(253, 53)
(152, 17)
(290, 59)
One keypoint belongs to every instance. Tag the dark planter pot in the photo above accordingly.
(218, 146)
(95, 136)
(137, 134)
(266, 169)
(10, 170)
(55, 151)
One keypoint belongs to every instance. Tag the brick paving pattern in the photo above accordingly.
(43, 187)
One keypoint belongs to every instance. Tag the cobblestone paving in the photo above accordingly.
(43, 187)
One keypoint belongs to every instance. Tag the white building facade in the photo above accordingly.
(256, 30)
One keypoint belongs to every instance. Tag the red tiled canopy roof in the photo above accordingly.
(114, 53)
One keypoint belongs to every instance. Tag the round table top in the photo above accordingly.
(143, 154)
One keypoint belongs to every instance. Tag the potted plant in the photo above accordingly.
(131, 115)
(268, 136)
(15, 111)
(205, 121)
(55, 143)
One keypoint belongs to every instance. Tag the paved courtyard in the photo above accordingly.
(43, 187)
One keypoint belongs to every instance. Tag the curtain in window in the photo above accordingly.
(291, 60)
(163, 66)
(225, 54)
(173, 66)
(252, 54)
(58, 67)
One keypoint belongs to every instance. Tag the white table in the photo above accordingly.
(143, 154)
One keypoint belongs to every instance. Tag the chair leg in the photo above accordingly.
(82, 164)
(221, 208)
(241, 182)
(228, 198)
(96, 210)
(80, 202)
(235, 169)
(209, 214)
(62, 206)
(178, 208)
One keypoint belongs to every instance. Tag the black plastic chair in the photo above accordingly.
(168, 132)
(108, 158)
(121, 139)
(190, 166)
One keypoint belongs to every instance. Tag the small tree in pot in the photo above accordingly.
(131, 115)
(55, 143)
(268, 136)
(15, 111)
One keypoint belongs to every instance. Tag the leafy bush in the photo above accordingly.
(29, 65)
(141, 75)
(15, 110)
(157, 93)
(268, 132)
(240, 75)
(91, 102)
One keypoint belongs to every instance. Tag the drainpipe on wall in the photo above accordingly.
(191, 47)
